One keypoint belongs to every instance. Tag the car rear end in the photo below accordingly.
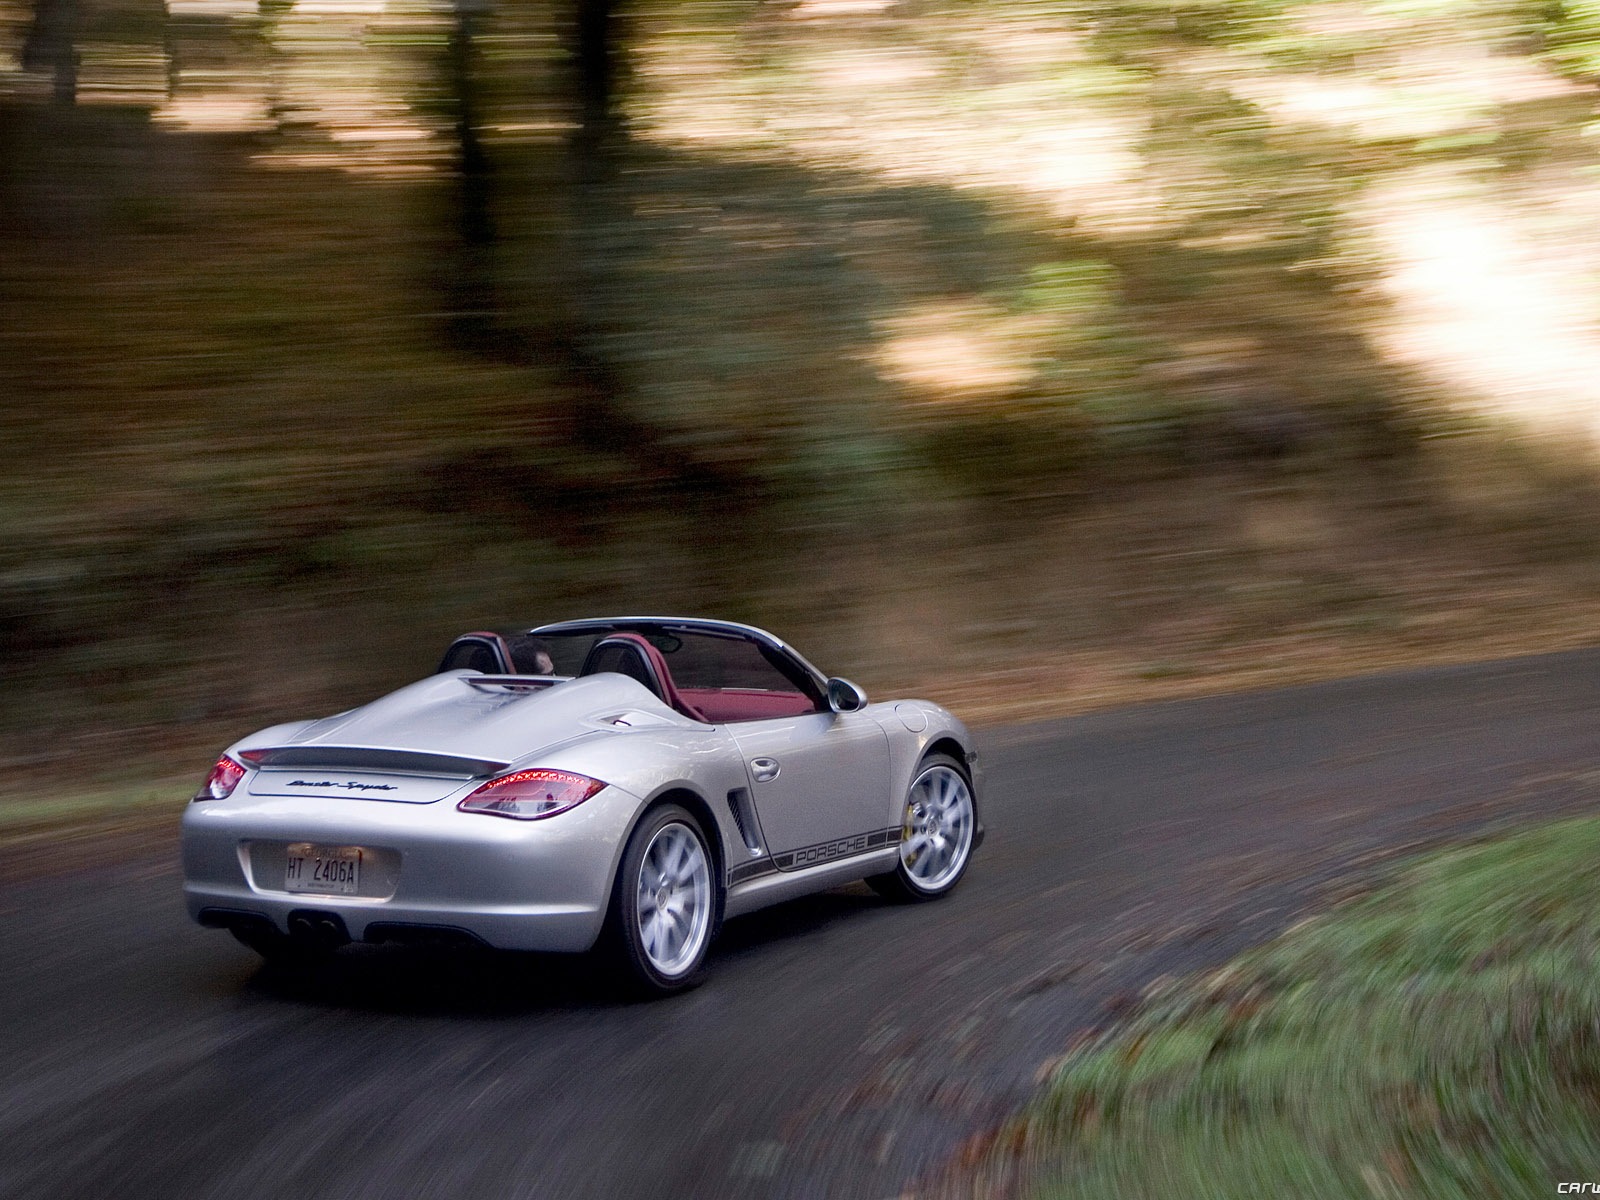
(355, 847)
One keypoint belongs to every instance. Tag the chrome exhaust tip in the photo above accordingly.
(324, 930)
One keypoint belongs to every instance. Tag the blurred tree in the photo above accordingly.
(52, 45)
(269, 18)
(475, 219)
(599, 53)
(489, 274)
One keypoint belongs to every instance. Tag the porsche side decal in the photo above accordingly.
(810, 856)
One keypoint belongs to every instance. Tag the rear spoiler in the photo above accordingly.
(373, 758)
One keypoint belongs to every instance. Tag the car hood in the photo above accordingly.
(467, 719)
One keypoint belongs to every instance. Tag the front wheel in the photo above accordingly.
(664, 907)
(937, 830)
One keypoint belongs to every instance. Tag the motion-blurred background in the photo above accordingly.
(1026, 353)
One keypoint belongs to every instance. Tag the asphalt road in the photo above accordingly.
(843, 1047)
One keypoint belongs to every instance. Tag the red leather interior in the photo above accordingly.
(732, 704)
(714, 706)
(673, 697)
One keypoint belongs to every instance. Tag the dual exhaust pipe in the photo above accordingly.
(325, 931)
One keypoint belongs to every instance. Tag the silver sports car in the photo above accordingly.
(625, 782)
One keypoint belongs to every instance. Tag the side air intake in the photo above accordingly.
(744, 816)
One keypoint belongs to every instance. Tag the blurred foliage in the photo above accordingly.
(328, 330)
(1436, 1038)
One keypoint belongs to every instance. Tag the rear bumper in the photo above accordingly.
(514, 885)
(531, 927)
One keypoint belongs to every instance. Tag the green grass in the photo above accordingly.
(52, 817)
(1440, 1037)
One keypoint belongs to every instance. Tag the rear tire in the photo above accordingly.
(665, 904)
(938, 832)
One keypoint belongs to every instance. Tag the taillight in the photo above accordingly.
(531, 795)
(223, 779)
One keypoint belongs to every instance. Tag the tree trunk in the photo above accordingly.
(51, 45)
(474, 214)
(601, 63)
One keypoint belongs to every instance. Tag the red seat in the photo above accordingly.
(668, 691)
(481, 650)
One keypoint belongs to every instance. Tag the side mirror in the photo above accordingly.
(844, 696)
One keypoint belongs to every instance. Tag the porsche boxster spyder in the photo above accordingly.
(624, 783)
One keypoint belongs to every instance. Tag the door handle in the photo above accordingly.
(764, 770)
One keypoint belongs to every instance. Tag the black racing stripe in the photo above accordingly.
(750, 870)
(815, 855)
(838, 848)
(879, 837)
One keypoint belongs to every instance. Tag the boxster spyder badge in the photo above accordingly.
(623, 783)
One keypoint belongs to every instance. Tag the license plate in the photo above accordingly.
(326, 870)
